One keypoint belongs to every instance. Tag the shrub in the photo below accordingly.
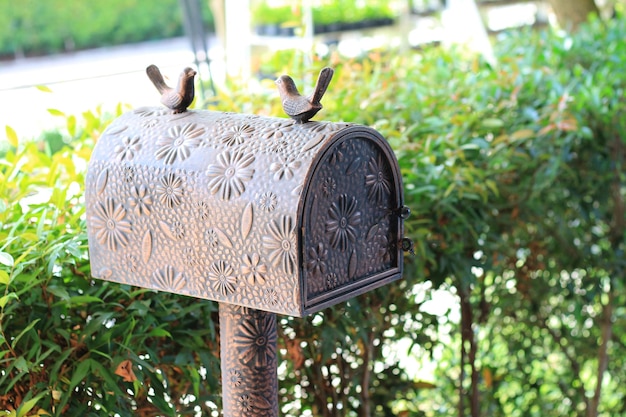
(514, 175)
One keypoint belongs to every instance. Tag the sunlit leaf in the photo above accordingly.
(11, 136)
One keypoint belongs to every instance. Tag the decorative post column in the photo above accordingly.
(249, 362)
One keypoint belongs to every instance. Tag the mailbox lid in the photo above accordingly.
(350, 224)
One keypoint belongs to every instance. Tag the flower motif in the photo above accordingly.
(229, 175)
(235, 377)
(177, 143)
(317, 260)
(281, 243)
(244, 403)
(329, 185)
(270, 297)
(284, 168)
(170, 190)
(189, 257)
(149, 111)
(253, 269)
(211, 238)
(127, 149)
(332, 281)
(110, 224)
(342, 222)
(140, 200)
(268, 201)
(130, 262)
(223, 278)
(237, 135)
(256, 340)
(128, 173)
(178, 230)
(168, 279)
(376, 181)
(201, 210)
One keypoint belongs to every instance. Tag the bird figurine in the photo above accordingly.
(179, 98)
(301, 108)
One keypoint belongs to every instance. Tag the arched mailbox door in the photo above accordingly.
(242, 209)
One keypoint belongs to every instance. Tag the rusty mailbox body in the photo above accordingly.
(247, 210)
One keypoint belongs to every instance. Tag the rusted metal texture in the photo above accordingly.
(249, 362)
(247, 210)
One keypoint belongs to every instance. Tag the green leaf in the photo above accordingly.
(56, 112)
(4, 278)
(21, 364)
(6, 259)
(28, 405)
(492, 123)
(11, 136)
(5, 299)
(23, 332)
(43, 88)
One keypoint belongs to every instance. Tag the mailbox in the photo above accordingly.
(247, 210)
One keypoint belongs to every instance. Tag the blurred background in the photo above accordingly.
(508, 120)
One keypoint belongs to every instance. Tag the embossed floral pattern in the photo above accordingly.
(211, 238)
(189, 257)
(256, 341)
(178, 142)
(270, 297)
(329, 185)
(178, 230)
(332, 281)
(377, 183)
(130, 262)
(140, 201)
(237, 135)
(222, 276)
(235, 378)
(168, 279)
(128, 148)
(244, 403)
(268, 201)
(201, 210)
(343, 220)
(253, 269)
(229, 176)
(110, 224)
(284, 168)
(170, 190)
(317, 260)
(281, 242)
(128, 173)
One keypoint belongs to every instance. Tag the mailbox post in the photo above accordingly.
(260, 214)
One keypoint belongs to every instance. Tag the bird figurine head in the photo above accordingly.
(286, 86)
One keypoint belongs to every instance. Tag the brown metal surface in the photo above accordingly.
(249, 362)
(247, 210)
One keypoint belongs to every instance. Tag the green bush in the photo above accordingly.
(34, 27)
(515, 178)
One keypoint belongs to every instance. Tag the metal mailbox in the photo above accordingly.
(246, 210)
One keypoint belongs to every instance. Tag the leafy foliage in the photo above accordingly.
(34, 27)
(515, 179)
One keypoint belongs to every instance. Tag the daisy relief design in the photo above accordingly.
(110, 225)
(223, 278)
(281, 242)
(170, 190)
(376, 181)
(178, 142)
(229, 176)
(140, 201)
(342, 223)
(256, 340)
(237, 135)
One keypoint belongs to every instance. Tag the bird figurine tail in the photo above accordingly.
(157, 79)
(323, 80)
